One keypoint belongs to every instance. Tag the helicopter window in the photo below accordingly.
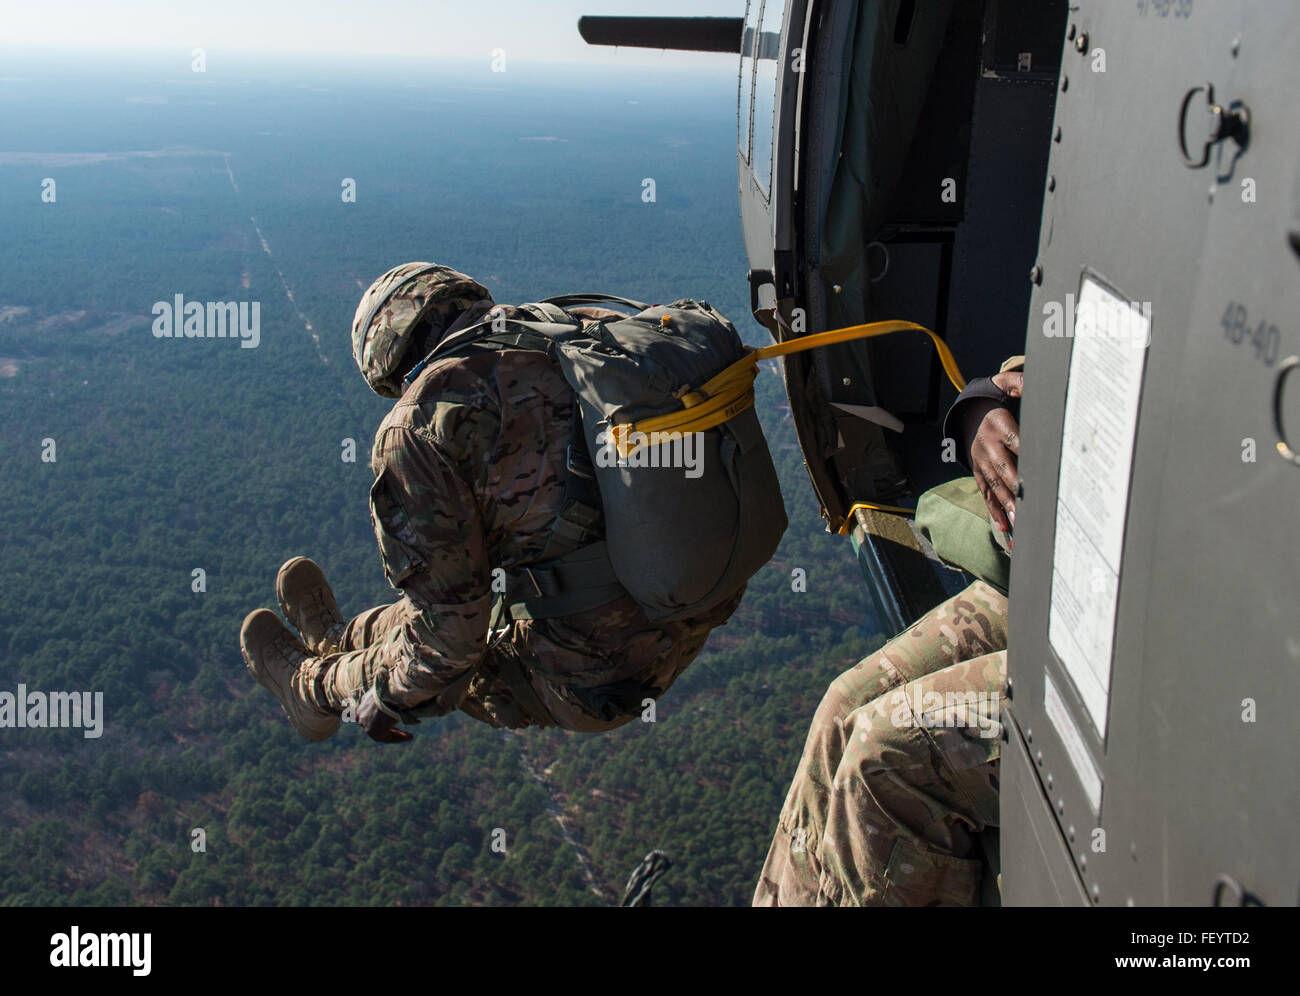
(747, 75)
(765, 80)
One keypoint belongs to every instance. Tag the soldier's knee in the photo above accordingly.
(868, 679)
(882, 741)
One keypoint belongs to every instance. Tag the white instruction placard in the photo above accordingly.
(1101, 411)
(1075, 748)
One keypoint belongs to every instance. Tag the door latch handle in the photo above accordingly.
(1283, 444)
(1229, 892)
(1226, 122)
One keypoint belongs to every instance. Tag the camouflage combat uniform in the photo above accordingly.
(899, 773)
(469, 476)
(900, 769)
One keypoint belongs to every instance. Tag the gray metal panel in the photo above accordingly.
(1036, 866)
(1207, 592)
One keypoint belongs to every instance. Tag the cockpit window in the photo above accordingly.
(747, 74)
(765, 80)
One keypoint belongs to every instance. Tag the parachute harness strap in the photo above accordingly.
(732, 391)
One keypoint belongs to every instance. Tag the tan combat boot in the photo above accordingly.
(284, 667)
(307, 601)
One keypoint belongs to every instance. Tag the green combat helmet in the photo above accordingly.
(408, 306)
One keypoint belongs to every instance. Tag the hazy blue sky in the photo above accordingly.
(527, 30)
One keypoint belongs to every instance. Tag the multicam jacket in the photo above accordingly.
(470, 472)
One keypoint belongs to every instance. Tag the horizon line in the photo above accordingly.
(707, 66)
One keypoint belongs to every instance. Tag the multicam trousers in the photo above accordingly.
(487, 699)
(900, 769)
(589, 672)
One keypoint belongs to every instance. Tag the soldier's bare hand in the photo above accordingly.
(994, 456)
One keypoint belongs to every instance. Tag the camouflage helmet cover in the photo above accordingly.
(394, 306)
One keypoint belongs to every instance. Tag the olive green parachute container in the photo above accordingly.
(955, 519)
(687, 522)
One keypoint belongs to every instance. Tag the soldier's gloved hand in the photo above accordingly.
(995, 452)
(380, 722)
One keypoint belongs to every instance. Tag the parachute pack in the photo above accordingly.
(692, 507)
(955, 519)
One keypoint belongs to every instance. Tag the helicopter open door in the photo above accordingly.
(891, 159)
(891, 164)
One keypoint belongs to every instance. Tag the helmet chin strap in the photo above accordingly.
(474, 313)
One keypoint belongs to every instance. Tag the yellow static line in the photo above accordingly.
(732, 391)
